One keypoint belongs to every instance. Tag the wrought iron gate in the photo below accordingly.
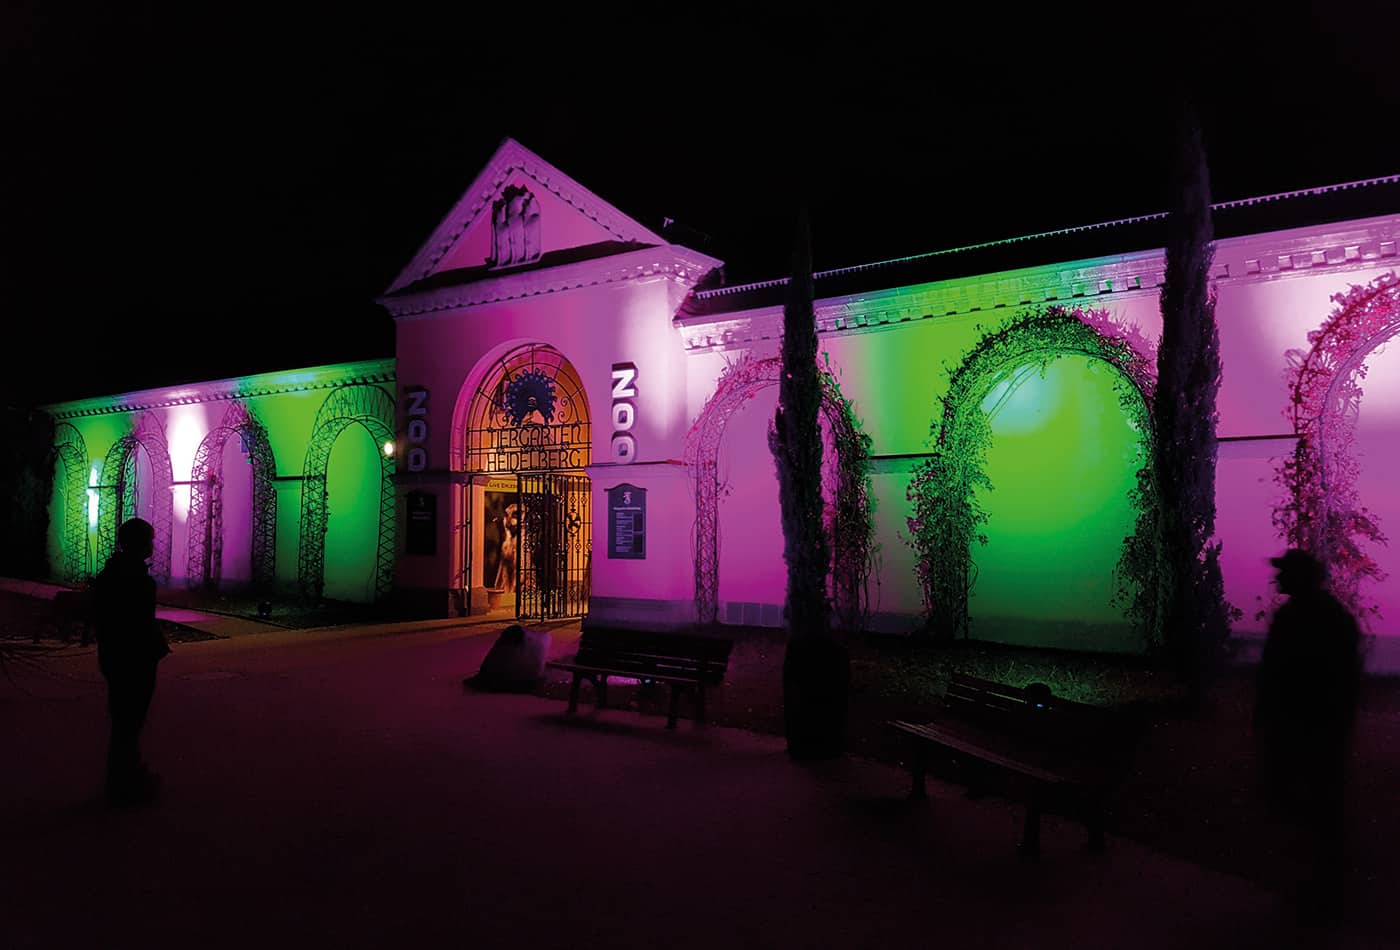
(556, 546)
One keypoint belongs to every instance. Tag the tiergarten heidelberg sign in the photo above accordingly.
(536, 448)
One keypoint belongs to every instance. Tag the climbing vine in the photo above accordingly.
(948, 518)
(849, 520)
(1320, 510)
(850, 516)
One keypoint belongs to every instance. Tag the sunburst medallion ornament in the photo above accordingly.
(529, 392)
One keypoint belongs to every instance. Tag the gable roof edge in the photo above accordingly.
(509, 157)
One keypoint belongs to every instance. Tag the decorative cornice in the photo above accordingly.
(1338, 248)
(263, 384)
(719, 292)
(509, 158)
(669, 261)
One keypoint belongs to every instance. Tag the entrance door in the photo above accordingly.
(556, 546)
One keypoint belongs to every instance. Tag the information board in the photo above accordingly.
(627, 522)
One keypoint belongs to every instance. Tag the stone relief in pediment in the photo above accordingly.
(515, 228)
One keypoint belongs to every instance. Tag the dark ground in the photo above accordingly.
(1191, 796)
(340, 788)
(1193, 792)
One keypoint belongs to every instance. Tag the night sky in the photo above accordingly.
(190, 196)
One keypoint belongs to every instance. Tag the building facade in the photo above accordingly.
(279, 482)
(581, 411)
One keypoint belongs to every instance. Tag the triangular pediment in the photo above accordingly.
(521, 212)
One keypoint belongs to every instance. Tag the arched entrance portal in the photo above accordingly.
(526, 526)
(71, 487)
(845, 486)
(136, 484)
(257, 538)
(370, 409)
(1323, 510)
(948, 487)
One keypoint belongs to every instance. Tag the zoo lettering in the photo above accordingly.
(624, 413)
(417, 429)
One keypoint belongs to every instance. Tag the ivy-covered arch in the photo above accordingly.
(204, 562)
(372, 408)
(947, 517)
(1320, 511)
(850, 520)
(70, 455)
(116, 495)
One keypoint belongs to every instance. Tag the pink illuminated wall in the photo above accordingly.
(141, 494)
(1260, 321)
(1378, 449)
(237, 517)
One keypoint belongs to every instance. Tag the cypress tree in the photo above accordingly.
(816, 668)
(26, 481)
(1195, 616)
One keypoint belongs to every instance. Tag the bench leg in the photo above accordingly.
(675, 705)
(600, 691)
(573, 693)
(1030, 835)
(918, 772)
(700, 703)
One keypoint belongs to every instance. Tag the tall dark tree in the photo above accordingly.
(1195, 615)
(26, 481)
(816, 666)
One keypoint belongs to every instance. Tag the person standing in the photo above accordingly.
(1309, 681)
(129, 647)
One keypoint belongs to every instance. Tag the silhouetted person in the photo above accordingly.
(129, 645)
(1309, 679)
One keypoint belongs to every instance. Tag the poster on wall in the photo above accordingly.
(500, 540)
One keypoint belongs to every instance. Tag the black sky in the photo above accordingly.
(191, 195)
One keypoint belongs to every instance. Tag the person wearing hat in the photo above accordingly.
(1309, 678)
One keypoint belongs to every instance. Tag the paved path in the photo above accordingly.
(219, 625)
(339, 789)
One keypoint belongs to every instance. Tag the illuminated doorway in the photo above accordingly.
(527, 531)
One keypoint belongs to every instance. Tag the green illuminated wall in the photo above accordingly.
(1061, 466)
(1053, 504)
(286, 405)
(352, 531)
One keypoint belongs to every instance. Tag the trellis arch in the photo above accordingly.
(204, 562)
(947, 516)
(115, 502)
(70, 452)
(1321, 512)
(373, 408)
(850, 519)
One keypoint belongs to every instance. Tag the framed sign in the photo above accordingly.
(627, 522)
(422, 523)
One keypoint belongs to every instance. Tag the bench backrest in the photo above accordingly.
(1065, 729)
(975, 695)
(662, 654)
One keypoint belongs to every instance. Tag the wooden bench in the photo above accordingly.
(1060, 756)
(685, 661)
